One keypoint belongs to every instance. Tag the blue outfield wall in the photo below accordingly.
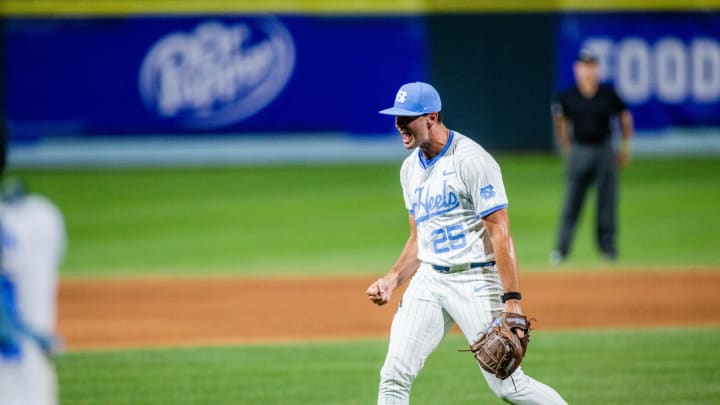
(666, 66)
(206, 74)
(97, 82)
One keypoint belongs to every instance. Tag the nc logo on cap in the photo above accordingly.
(413, 99)
(401, 96)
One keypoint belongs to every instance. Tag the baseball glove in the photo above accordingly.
(500, 350)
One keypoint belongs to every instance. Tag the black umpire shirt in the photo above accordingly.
(590, 117)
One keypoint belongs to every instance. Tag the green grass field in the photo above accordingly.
(667, 366)
(351, 220)
(342, 219)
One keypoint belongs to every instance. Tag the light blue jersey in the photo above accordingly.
(33, 244)
(448, 196)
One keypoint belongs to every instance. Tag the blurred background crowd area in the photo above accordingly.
(197, 82)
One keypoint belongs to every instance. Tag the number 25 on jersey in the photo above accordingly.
(448, 238)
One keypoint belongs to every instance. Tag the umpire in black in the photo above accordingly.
(582, 118)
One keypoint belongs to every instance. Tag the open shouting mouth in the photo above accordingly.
(408, 139)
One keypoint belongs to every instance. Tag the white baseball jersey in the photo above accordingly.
(33, 243)
(448, 196)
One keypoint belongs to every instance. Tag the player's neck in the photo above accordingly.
(439, 137)
(588, 88)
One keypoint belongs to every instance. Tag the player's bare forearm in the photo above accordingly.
(626, 125)
(497, 225)
(407, 264)
(381, 290)
(626, 130)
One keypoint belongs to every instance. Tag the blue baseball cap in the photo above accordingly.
(414, 99)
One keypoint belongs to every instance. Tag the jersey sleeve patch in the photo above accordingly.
(488, 192)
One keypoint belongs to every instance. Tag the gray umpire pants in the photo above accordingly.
(588, 164)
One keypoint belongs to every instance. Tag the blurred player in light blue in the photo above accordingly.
(32, 245)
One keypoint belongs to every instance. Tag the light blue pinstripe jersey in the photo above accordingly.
(448, 196)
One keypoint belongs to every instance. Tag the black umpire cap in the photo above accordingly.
(587, 56)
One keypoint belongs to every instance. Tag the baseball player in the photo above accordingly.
(32, 244)
(460, 253)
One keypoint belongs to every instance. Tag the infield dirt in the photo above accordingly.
(153, 312)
